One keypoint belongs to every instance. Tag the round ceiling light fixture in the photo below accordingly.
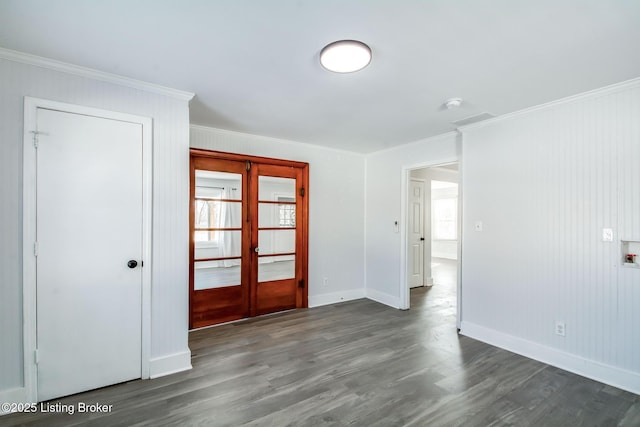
(345, 56)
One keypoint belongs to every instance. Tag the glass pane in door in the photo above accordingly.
(216, 274)
(217, 244)
(271, 187)
(217, 214)
(276, 228)
(217, 229)
(278, 215)
(218, 185)
(276, 268)
(273, 242)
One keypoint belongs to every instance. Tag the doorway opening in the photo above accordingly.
(432, 235)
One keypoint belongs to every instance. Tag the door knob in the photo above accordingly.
(132, 263)
(256, 250)
(422, 239)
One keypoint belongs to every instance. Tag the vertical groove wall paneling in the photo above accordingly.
(566, 171)
(171, 144)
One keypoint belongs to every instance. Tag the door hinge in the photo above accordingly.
(36, 356)
(302, 192)
(301, 283)
(247, 164)
(35, 137)
(35, 249)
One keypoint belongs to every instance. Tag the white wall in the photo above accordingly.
(336, 207)
(384, 199)
(170, 222)
(545, 182)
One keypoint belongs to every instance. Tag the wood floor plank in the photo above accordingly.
(354, 364)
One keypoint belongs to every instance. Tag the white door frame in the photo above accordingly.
(404, 214)
(29, 229)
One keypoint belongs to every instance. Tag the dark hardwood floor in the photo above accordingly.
(357, 363)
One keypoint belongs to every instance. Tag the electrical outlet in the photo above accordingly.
(607, 235)
(325, 281)
(560, 328)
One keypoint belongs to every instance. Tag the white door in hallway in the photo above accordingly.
(416, 233)
(89, 250)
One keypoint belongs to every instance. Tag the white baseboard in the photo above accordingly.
(607, 374)
(171, 364)
(335, 297)
(14, 395)
(159, 367)
(383, 298)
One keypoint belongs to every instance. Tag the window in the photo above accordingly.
(287, 212)
(445, 217)
(444, 210)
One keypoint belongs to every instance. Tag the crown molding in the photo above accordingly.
(235, 133)
(616, 87)
(52, 64)
(430, 139)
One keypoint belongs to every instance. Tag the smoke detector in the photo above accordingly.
(452, 103)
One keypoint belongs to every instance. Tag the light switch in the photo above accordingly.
(607, 235)
(478, 225)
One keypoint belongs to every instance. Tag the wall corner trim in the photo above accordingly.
(430, 139)
(170, 364)
(52, 64)
(607, 374)
(383, 298)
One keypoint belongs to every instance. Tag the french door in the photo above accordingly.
(248, 246)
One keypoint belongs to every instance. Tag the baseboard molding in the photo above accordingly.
(383, 298)
(335, 297)
(171, 364)
(607, 374)
(14, 395)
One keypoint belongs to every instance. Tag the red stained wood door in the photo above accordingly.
(248, 246)
(277, 239)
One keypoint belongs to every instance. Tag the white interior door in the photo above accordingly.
(89, 226)
(416, 233)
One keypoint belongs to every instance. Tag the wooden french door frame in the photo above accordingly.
(234, 300)
(254, 167)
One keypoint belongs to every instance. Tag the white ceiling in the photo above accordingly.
(253, 64)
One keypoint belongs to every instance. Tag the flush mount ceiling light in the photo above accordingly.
(345, 56)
